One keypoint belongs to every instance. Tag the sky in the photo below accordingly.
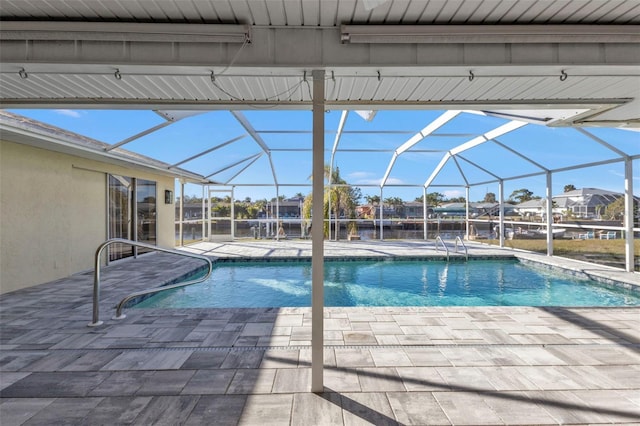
(364, 152)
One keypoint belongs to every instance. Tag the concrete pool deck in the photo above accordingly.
(436, 365)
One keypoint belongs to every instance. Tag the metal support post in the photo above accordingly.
(549, 210)
(317, 235)
(424, 212)
(628, 215)
(501, 212)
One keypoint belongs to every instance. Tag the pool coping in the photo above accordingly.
(578, 269)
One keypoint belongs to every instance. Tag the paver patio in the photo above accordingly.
(435, 365)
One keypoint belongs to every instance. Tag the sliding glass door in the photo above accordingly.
(131, 198)
(145, 198)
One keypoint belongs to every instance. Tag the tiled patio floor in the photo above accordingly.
(436, 365)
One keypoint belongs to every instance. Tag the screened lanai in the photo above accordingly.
(498, 95)
(405, 153)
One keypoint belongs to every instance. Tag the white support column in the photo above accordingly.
(329, 207)
(277, 224)
(317, 235)
(549, 210)
(466, 196)
(424, 212)
(209, 213)
(203, 212)
(233, 215)
(181, 213)
(381, 217)
(628, 214)
(501, 212)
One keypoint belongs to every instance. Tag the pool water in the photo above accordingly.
(391, 283)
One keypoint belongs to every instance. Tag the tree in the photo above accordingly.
(373, 200)
(435, 199)
(342, 197)
(396, 203)
(521, 195)
(261, 205)
(458, 200)
(569, 187)
(489, 197)
(615, 210)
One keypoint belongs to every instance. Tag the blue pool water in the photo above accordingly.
(391, 283)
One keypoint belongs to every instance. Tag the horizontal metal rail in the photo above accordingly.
(466, 252)
(446, 249)
(96, 277)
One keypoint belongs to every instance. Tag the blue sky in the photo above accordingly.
(290, 130)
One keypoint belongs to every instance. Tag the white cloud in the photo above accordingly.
(68, 113)
(395, 181)
(368, 179)
(454, 193)
(617, 173)
(360, 175)
(366, 182)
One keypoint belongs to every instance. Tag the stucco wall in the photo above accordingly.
(53, 213)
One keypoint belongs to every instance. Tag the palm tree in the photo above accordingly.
(342, 198)
(374, 200)
(396, 203)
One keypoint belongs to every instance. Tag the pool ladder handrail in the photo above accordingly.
(439, 239)
(466, 252)
(119, 314)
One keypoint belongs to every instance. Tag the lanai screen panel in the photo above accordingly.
(99, 124)
(569, 147)
(626, 140)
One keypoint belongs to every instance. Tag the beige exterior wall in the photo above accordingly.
(53, 213)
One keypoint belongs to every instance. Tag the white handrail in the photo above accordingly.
(466, 252)
(438, 238)
(96, 277)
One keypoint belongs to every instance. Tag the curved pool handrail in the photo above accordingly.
(439, 239)
(96, 277)
(466, 252)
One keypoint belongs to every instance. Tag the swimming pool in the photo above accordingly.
(392, 283)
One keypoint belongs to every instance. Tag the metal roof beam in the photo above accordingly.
(227, 167)
(208, 151)
(256, 137)
(455, 160)
(513, 151)
(479, 167)
(498, 131)
(415, 139)
(243, 169)
(336, 141)
(170, 117)
(439, 167)
(139, 135)
(603, 142)
(491, 134)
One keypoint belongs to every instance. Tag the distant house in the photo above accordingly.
(191, 211)
(475, 209)
(414, 209)
(531, 208)
(290, 207)
(585, 203)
